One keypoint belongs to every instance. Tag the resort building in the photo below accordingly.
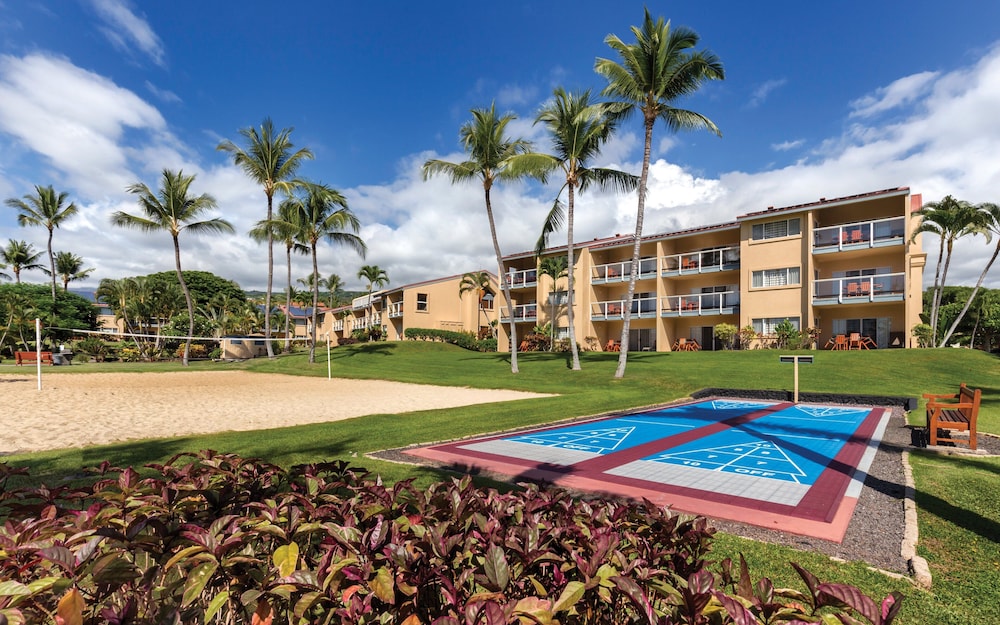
(834, 267)
(436, 304)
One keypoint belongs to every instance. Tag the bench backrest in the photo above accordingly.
(967, 395)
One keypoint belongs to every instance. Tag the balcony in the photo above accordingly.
(700, 304)
(395, 310)
(527, 278)
(886, 287)
(861, 235)
(337, 325)
(642, 308)
(708, 261)
(622, 271)
(522, 313)
(368, 321)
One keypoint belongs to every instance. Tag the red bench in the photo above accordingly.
(30, 358)
(957, 411)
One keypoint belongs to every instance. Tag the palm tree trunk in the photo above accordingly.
(270, 279)
(972, 296)
(569, 281)
(934, 292)
(940, 292)
(315, 289)
(187, 299)
(504, 283)
(636, 249)
(52, 268)
(288, 300)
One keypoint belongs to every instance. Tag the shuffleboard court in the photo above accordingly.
(797, 468)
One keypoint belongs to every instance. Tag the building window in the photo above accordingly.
(775, 277)
(421, 302)
(488, 301)
(776, 229)
(558, 298)
(237, 342)
(768, 325)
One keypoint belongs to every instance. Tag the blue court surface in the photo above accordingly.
(719, 457)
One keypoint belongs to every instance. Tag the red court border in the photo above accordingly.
(824, 512)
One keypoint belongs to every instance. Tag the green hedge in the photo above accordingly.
(465, 340)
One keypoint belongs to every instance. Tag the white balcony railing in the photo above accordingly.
(522, 279)
(615, 309)
(395, 310)
(694, 304)
(622, 271)
(707, 261)
(881, 287)
(876, 233)
(522, 312)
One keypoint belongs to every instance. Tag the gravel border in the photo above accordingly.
(882, 531)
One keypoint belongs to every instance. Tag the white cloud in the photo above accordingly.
(124, 28)
(760, 94)
(785, 146)
(164, 95)
(904, 91)
(80, 136)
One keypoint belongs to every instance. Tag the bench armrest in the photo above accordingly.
(948, 406)
(939, 396)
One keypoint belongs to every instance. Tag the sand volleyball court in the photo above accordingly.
(81, 409)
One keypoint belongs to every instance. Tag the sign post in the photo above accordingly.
(807, 360)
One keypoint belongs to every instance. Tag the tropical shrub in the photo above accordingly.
(747, 336)
(726, 333)
(93, 347)
(787, 335)
(534, 342)
(197, 352)
(924, 333)
(215, 538)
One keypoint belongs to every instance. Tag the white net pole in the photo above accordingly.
(38, 351)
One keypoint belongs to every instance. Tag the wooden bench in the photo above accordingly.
(957, 411)
(30, 358)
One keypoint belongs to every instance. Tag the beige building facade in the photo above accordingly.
(433, 305)
(837, 266)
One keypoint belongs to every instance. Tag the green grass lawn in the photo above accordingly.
(958, 497)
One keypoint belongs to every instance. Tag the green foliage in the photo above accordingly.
(787, 335)
(465, 340)
(216, 536)
(94, 347)
(923, 332)
(21, 303)
(204, 285)
(726, 333)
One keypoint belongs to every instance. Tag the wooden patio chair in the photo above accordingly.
(854, 342)
(839, 342)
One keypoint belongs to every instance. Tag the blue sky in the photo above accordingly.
(820, 100)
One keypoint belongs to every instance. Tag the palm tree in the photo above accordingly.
(173, 210)
(989, 223)
(323, 214)
(333, 284)
(284, 229)
(45, 208)
(478, 281)
(270, 162)
(20, 256)
(490, 152)
(376, 276)
(654, 72)
(557, 267)
(69, 267)
(951, 220)
(4, 276)
(578, 128)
